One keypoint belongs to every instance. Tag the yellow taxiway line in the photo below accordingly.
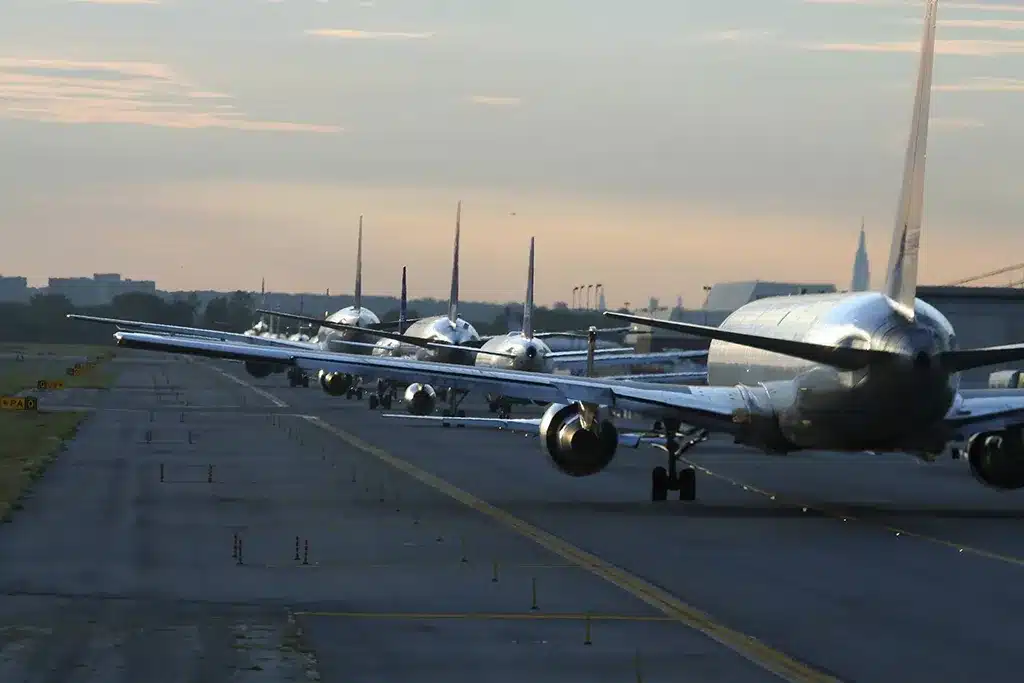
(749, 648)
(486, 616)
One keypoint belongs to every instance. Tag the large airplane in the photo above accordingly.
(355, 318)
(857, 372)
(517, 350)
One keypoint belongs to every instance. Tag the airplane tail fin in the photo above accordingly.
(403, 306)
(901, 273)
(528, 304)
(453, 300)
(358, 303)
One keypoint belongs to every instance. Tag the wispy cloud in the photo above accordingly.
(963, 48)
(984, 84)
(356, 34)
(736, 35)
(494, 101)
(998, 24)
(140, 93)
(973, 6)
(955, 124)
(116, 2)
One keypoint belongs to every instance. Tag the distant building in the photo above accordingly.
(14, 289)
(861, 281)
(98, 290)
(728, 296)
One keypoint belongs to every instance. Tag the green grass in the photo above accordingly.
(48, 362)
(29, 442)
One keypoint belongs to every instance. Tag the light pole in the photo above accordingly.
(574, 291)
(589, 289)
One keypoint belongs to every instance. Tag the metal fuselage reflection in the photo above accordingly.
(897, 404)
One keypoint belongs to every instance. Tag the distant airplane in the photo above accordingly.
(862, 372)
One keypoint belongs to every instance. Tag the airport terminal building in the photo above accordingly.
(981, 316)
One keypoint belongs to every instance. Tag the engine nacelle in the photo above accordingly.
(574, 450)
(260, 370)
(997, 459)
(335, 383)
(420, 399)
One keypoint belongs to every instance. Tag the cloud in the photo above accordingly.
(999, 24)
(984, 84)
(140, 93)
(117, 2)
(356, 34)
(955, 124)
(963, 48)
(495, 101)
(736, 35)
(973, 6)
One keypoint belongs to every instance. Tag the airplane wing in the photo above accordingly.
(577, 360)
(984, 410)
(719, 409)
(198, 332)
(530, 426)
(696, 377)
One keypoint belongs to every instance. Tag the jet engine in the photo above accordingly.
(575, 450)
(334, 383)
(997, 459)
(260, 370)
(420, 399)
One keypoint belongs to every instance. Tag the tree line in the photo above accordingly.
(43, 319)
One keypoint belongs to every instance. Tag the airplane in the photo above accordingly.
(518, 350)
(356, 318)
(864, 372)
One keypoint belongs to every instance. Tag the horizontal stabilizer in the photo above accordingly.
(967, 359)
(837, 357)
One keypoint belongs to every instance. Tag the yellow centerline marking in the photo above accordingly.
(487, 616)
(749, 648)
(834, 514)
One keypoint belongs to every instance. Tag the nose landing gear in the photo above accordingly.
(671, 478)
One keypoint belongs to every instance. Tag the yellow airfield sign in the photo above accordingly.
(19, 403)
(47, 384)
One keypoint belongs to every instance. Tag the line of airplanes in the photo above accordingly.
(864, 372)
(443, 338)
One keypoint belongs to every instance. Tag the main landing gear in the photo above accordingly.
(503, 407)
(384, 397)
(673, 479)
(297, 378)
(455, 398)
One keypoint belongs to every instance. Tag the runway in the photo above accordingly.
(372, 550)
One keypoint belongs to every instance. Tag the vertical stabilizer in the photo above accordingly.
(403, 306)
(358, 303)
(528, 304)
(901, 273)
(453, 299)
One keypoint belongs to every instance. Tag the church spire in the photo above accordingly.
(861, 281)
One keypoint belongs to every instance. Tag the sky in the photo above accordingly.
(654, 146)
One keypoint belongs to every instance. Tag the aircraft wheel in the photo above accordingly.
(359, 394)
(493, 407)
(348, 394)
(305, 381)
(504, 414)
(688, 484)
(373, 401)
(659, 484)
(385, 401)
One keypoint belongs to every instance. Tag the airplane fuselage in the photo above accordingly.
(331, 340)
(439, 329)
(896, 406)
(529, 355)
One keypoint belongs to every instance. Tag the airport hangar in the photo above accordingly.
(981, 316)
